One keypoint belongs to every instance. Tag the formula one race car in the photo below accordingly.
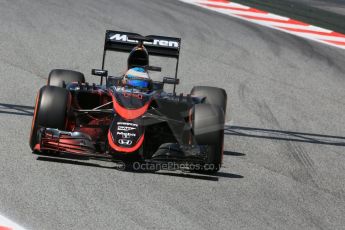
(117, 122)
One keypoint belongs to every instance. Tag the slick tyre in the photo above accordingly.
(62, 77)
(208, 131)
(51, 108)
(213, 95)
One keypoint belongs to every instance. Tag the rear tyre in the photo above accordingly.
(50, 111)
(208, 131)
(62, 77)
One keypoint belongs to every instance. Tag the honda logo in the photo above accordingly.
(124, 142)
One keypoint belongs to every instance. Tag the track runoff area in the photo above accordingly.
(274, 21)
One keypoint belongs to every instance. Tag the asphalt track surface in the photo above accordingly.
(284, 162)
(336, 6)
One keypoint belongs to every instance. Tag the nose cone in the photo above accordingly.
(125, 136)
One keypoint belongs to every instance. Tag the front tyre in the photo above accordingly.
(208, 131)
(62, 77)
(50, 111)
(213, 95)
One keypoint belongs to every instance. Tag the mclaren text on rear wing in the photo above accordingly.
(159, 45)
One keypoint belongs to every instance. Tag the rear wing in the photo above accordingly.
(155, 45)
(160, 46)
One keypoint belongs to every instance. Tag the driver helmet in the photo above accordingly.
(137, 78)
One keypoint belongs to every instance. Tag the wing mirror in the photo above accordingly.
(171, 80)
(99, 72)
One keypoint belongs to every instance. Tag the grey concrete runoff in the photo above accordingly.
(284, 162)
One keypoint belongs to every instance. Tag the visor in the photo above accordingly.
(138, 83)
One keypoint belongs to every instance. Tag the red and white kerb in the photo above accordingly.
(6, 224)
(274, 21)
